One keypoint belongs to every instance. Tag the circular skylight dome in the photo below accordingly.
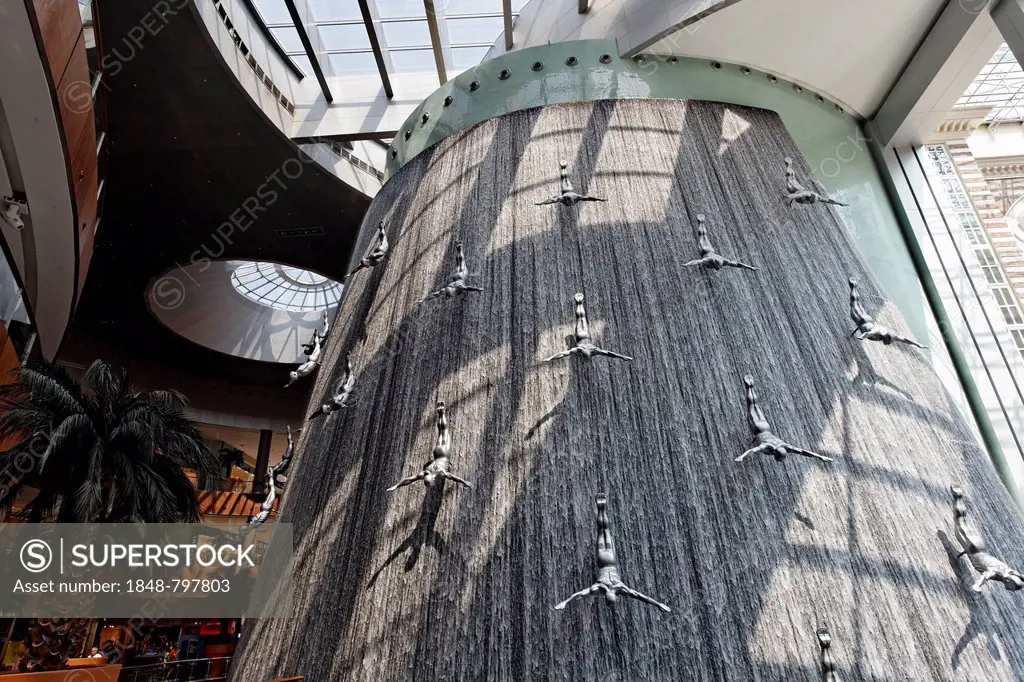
(284, 287)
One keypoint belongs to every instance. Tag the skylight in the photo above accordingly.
(284, 287)
(1000, 83)
(467, 29)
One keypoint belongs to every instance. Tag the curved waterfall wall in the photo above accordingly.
(752, 557)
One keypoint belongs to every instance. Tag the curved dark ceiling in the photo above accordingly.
(189, 149)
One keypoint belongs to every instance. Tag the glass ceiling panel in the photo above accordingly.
(288, 38)
(302, 61)
(456, 7)
(1000, 83)
(474, 31)
(391, 9)
(413, 61)
(301, 276)
(335, 10)
(406, 34)
(345, 37)
(466, 57)
(273, 11)
(353, 63)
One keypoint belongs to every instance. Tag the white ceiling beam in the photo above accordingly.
(962, 39)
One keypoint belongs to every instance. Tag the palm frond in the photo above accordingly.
(178, 491)
(134, 437)
(76, 430)
(88, 498)
(99, 379)
(87, 501)
(23, 421)
(169, 402)
(51, 386)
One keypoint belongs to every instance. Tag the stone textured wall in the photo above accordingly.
(751, 557)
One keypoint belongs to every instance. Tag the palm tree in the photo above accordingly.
(230, 456)
(102, 450)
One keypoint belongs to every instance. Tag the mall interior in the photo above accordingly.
(511, 279)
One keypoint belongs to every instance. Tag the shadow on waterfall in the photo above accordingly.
(423, 535)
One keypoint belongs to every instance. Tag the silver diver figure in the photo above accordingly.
(377, 255)
(797, 193)
(270, 481)
(342, 398)
(766, 442)
(568, 195)
(867, 328)
(829, 673)
(984, 563)
(439, 467)
(457, 281)
(608, 579)
(584, 344)
(325, 328)
(709, 258)
(309, 366)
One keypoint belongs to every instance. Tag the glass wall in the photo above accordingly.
(975, 242)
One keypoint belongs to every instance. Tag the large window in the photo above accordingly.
(1018, 339)
(977, 243)
(989, 265)
(972, 228)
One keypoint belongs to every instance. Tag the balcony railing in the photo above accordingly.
(193, 670)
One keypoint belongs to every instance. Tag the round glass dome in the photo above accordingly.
(284, 287)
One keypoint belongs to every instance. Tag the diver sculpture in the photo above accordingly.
(260, 517)
(828, 666)
(270, 481)
(281, 468)
(307, 348)
(342, 398)
(584, 344)
(867, 328)
(608, 579)
(984, 563)
(439, 467)
(568, 195)
(457, 282)
(766, 442)
(797, 193)
(709, 258)
(309, 366)
(377, 255)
